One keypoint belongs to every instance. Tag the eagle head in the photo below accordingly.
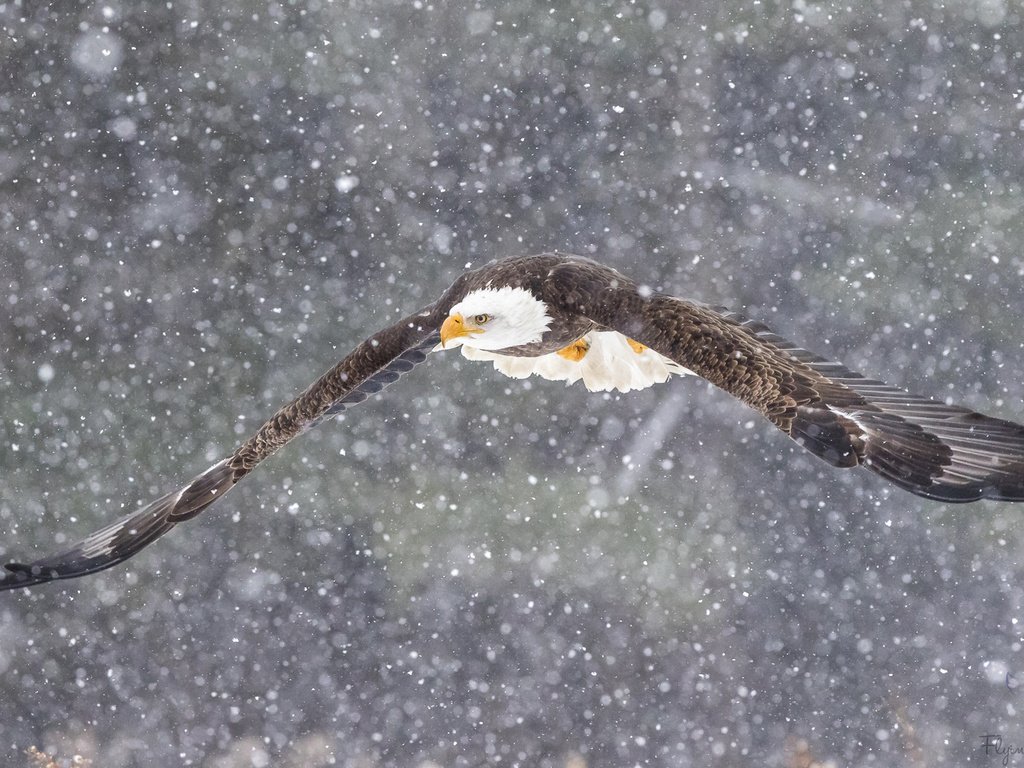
(496, 318)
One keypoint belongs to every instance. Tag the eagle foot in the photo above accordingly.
(575, 351)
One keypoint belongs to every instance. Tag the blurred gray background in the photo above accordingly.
(206, 205)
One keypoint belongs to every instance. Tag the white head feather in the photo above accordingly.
(514, 317)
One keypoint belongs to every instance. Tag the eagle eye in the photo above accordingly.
(481, 319)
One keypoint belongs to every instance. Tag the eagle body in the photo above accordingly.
(538, 282)
(570, 319)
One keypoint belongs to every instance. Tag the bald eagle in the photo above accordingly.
(570, 319)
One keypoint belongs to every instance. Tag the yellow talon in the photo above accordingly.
(636, 346)
(576, 350)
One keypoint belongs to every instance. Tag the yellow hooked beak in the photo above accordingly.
(454, 327)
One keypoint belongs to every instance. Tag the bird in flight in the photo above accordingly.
(569, 319)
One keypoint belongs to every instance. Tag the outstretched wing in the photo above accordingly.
(373, 365)
(932, 449)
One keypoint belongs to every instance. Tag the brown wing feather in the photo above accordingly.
(929, 448)
(373, 365)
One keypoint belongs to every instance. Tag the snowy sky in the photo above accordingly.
(205, 206)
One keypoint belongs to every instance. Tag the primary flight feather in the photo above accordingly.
(570, 319)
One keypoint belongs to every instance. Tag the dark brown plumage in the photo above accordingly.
(929, 448)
